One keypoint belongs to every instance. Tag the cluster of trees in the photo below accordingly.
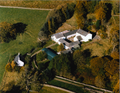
(82, 9)
(41, 56)
(55, 19)
(9, 31)
(102, 11)
(99, 71)
(11, 66)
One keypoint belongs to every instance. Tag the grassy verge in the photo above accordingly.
(54, 47)
(67, 86)
(34, 19)
(51, 90)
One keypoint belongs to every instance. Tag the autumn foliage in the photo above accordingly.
(7, 32)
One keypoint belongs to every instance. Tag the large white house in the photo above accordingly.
(78, 36)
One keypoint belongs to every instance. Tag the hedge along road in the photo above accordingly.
(24, 8)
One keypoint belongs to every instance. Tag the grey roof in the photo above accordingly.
(69, 44)
(80, 31)
(59, 35)
(96, 37)
(16, 58)
(70, 33)
(79, 37)
(66, 51)
(73, 43)
(64, 42)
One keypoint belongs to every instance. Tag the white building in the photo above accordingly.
(82, 36)
(18, 61)
(78, 36)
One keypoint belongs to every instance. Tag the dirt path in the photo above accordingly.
(41, 49)
(24, 8)
(58, 88)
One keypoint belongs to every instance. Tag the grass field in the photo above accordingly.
(51, 90)
(67, 86)
(34, 19)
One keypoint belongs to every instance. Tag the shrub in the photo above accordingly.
(13, 64)
(98, 23)
(41, 56)
(17, 69)
(8, 67)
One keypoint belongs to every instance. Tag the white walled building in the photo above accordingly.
(82, 36)
(18, 61)
(78, 36)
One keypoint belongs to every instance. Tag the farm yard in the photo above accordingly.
(33, 19)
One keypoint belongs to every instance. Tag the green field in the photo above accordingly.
(51, 90)
(67, 86)
(34, 19)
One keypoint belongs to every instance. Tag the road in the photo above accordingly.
(25, 8)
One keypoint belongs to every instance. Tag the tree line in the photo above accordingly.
(55, 19)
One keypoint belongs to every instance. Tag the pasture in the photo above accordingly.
(33, 19)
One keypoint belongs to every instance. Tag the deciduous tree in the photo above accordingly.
(97, 65)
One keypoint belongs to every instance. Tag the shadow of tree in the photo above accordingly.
(20, 27)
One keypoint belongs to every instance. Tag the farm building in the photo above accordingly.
(50, 54)
(18, 61)
(83, 35)
(76, 35)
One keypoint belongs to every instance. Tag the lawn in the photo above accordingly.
(99, 48)
(67, 86)
(51, 90)
(34, 19)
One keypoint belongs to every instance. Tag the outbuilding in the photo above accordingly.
(50, 53)
(18, 60)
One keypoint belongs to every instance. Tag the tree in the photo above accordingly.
(116, 87)
(41, 56)
(60, 47)
(79, 59)
(62, 64)
(112, 67)
(81, 13)
(97, 65)
(7, 32)
(114, 35)
(50, 26)
(13, 64)
(100, 14)
(100, 81)
(8, 67)
(100, 11)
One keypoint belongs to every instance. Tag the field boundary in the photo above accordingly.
(24, 8)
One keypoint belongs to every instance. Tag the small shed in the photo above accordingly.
(50, 54)
(18, 60)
